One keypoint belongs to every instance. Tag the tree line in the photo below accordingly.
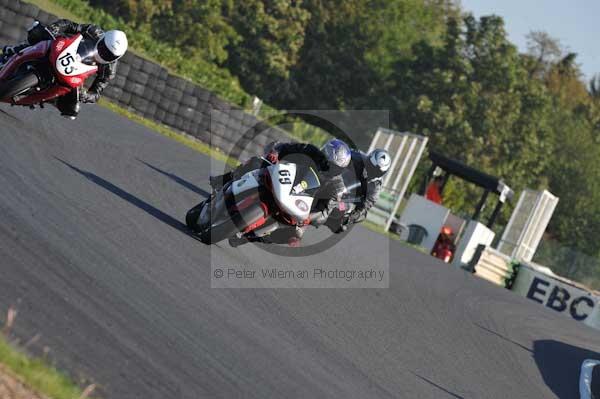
(528, 117)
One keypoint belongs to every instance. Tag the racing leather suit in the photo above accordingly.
(370, 188)
(68, 105)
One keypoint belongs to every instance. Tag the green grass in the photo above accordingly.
(380, 230)
(37, 374)
(170, 133)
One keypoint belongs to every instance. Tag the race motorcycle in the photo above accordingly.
(257, 204)
(48, 70)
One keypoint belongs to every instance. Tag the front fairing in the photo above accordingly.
(293, 188)
(69, 66)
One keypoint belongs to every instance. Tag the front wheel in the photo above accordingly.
(212, 231)
(17, 85)
(193, 216)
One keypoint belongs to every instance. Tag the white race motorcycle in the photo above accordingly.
(257, 204)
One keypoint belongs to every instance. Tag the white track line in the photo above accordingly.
(585, 381)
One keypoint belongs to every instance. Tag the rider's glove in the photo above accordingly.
(272, 157)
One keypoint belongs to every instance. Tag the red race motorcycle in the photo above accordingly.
(48, 70)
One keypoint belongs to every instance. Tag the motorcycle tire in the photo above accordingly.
(17, 85)
(228, 227)
(191, 218)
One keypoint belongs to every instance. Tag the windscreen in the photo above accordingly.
(87, 51)
(307, 181)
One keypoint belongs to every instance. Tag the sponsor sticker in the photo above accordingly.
(303, 206)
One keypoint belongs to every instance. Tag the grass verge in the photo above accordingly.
(182, 138)
(37, 374)
(379, 229)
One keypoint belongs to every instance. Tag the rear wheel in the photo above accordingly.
(17, 85)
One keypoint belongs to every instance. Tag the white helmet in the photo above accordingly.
(111, 47)
(381, 160)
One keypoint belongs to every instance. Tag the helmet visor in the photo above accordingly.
(105, 53)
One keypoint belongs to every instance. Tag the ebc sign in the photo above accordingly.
(534, 283)
(561, 297)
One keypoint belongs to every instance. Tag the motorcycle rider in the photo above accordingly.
(369, 169)
(110, 47)
(329, 162)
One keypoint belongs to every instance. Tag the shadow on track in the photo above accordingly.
(141, 204)
(559, 363)
(560, 366)
(178, 180)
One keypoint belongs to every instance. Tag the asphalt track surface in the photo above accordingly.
(94, 254)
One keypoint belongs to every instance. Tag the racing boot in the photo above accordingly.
(9, 51)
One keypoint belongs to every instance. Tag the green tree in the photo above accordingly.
(138, 12)
(197, 27)
(350, 47)
(595, 87)
(474, 98)
(575, 177)
(272, 34)
(542, 51)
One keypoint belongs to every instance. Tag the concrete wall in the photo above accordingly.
(559, 294)
(149, 90)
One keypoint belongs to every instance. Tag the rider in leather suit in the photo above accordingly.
(369, 169)
(107, 68)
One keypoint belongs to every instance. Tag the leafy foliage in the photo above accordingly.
(272, 33)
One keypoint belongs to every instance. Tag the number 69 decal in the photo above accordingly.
(285, 179)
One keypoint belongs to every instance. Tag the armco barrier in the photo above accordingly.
(148, 89)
